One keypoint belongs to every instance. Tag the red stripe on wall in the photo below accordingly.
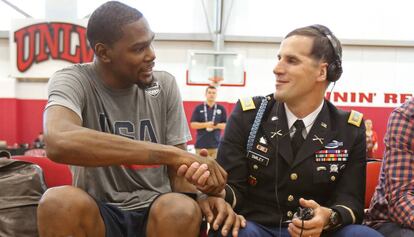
(21, 120)
(8, 120)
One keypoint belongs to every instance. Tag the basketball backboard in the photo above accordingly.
(215, 68)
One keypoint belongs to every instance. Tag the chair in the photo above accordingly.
(373, 171)
(35, 152)
(55, 174)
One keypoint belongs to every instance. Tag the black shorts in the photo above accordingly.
(119, 223)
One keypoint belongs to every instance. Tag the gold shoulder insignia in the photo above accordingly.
(247, 103)
(355, 118)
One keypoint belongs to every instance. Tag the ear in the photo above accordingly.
(323, 72)
(103, 52)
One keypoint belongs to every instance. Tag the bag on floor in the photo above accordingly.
(21, 187)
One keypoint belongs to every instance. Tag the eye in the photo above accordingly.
(292, 60)
(140, 50)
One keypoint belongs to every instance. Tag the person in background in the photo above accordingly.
(39, 141)
(392, 206)
(121, 126)
(209, 118)
(372, 139)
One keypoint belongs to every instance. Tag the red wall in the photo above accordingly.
(21, 120)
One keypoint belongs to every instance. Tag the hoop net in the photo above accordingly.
(215, 81)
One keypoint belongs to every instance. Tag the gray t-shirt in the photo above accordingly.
(155, 114)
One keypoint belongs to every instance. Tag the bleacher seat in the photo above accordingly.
(373, 170)
(35, 152)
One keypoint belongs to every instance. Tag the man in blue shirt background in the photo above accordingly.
(209, 118)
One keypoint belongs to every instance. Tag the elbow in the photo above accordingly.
(55, 148)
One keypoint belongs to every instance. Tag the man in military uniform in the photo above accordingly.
(294, 149)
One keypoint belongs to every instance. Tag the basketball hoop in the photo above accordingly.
(215, 81)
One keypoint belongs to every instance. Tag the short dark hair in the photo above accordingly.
(106, 22)
(211, 87)
(322, 48)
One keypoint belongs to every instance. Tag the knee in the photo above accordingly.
(176, 207)
(62, 202)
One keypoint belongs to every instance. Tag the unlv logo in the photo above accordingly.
(36, 43)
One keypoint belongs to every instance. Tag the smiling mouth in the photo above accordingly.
(280, 82)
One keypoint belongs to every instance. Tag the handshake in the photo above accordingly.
(204, 173)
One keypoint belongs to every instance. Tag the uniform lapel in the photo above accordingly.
(320, 135)
(281, 133)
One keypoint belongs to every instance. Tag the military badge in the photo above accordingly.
(252, 180)
(316, 138)
(247, 104)
(320, 168)
(334, 144)
(331, 155)
(333, 168)
(355, 118)
(261, 148)
(263, 141)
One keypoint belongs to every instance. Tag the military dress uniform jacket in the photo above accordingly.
(329, 167)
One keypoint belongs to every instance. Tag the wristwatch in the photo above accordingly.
(334, 220)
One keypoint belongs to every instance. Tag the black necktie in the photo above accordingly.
(297, 139)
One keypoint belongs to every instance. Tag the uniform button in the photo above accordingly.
(290, 198)
(293, 176)
(255, 167)
(289, 214)
(333, 178)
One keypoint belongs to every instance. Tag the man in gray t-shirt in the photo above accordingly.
(118, 124)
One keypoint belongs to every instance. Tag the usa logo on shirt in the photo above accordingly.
(154, 89)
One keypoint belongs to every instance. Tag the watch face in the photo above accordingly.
(334, 218)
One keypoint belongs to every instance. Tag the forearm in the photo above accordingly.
(86, 147)
(220, 126)
(198, 125)
(180, 184)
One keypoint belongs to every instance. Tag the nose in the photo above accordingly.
(278, 69)
(150, 54)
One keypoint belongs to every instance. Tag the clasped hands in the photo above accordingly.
(210, 178)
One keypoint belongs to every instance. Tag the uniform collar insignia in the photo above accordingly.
(316, 138)
(279, 133)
